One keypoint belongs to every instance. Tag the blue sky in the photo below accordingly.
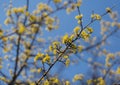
(68, 22)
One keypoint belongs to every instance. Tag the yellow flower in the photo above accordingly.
(46, 82)
(19, 10)
(32, 70)
(79, 21)
(14, 10)
(4, 79)
(34, 29)
(1, 32)
(32, 18)
(67, 83)
(38, 56)
(50, 48)
(67, 62)
(78, 77)
(54, 51)
(7, 21)
(79, 48)
(5, 39)
(96, 16)
(118, 70)
(84, 35)
(55, 44)
(101, 81)
(8, 12)
(39, 70)
(68, 10)
(46, 58)
(78, 17)
(56, 81)
(27, 13)
(65, 38)
(111, 55)
(32, 83)
(72, 36)
(57, 1)
(89, 82)
(65, 56)
(27, 51)
(21, 28)
(76, 30)
(1, 66)
(5, 50)
(108, 10)
(90, 30)
(108, 57)
(79, 2)
(40, 6)
(49, 20)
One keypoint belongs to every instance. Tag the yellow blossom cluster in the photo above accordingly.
(77, 30)
(52, 81)
(8, 21)
(43, 6)
(108, 57)
(96, 16)
(34, 28)
(54, 47)
(44, 57)
(73, 6)
(108, 10)
(79, 18)
(0, 66)
(46, 82)
(19, 10)
(85, 34)
(51, 23)
(67, 83)
(1, 32)
(38, 56)
(5, 39)
(98, 81)
(4, 79)
(118, 70)
(67, 62)
(66, 39)
(57, 1)
(21, 28)
(78, 77)
(79, 2)
(16, 10)
(79, 48)
(32, 18)
(101, 81)
(89, 30)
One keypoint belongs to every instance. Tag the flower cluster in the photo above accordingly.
(98, 81)
(78, 77)
(85, 34)
(96, 16)
(44, 57)
(108, 57)
(73, 6)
